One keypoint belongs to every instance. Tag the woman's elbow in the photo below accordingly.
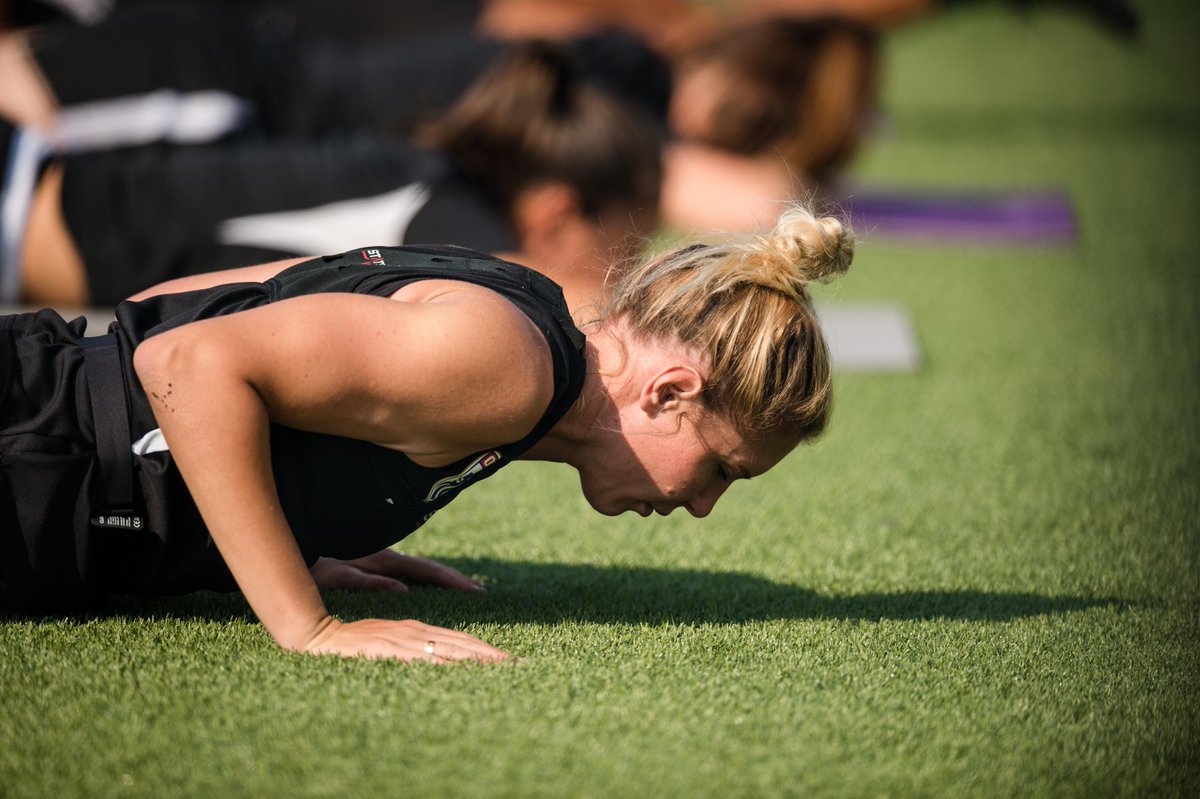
(168, 359)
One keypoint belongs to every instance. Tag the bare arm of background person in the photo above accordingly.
(673, 26)
(26, 99)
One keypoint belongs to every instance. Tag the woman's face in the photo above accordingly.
(655, 464)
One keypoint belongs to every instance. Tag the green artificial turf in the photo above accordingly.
(983, 582)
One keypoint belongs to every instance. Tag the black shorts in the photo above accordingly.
(48, 462)
(53, 554)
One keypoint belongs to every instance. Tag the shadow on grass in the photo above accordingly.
(546, 593)
(537, 593)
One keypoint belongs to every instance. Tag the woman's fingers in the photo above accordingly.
(362, 581)
(430, 572)
(451, 644)
(408, 640)
(448, 652)
(417, 570)
(333, 574)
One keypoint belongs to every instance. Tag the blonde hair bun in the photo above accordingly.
(801, 248)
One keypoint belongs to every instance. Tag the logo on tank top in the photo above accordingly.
(121, 521)
(455, 482)
(373, 257)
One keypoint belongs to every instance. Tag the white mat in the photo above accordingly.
(870, 337)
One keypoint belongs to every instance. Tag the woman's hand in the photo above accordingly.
(386, 571)
(407, 640)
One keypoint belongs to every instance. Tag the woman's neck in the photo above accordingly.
(569, 440)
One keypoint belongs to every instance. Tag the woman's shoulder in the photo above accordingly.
(480, 319)
(496, 345)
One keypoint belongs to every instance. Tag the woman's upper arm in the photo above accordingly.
(437, 379)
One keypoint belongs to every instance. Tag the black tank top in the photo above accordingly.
(343, 497)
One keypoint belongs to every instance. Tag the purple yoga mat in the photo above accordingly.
(1012, 217)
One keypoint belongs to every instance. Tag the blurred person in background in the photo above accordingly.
(672, 25)
(532, 161)
(183, 74)
(180, 72)
(778, 106)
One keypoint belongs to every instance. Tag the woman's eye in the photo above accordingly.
(722, 475)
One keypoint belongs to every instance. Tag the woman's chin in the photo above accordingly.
(617, 507)
(640, 508)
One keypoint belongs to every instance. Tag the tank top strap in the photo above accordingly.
(369, 270)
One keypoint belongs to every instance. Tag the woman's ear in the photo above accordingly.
(673, 389)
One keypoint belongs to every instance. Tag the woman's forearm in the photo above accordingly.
(217, 428)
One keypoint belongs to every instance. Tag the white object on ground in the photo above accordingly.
(870, 337)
